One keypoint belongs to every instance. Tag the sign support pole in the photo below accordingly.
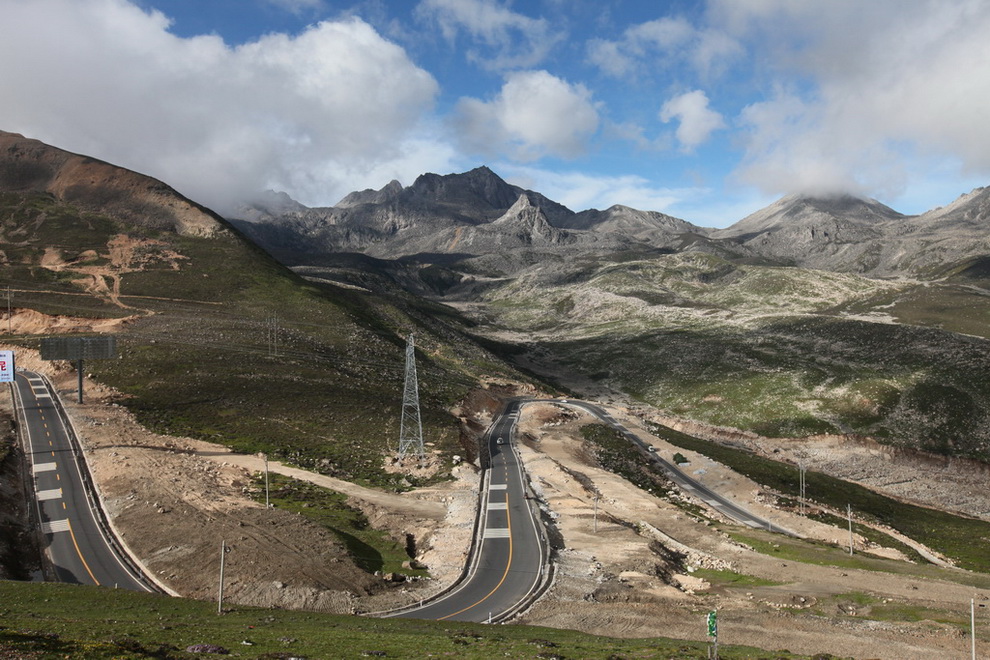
(79, 371)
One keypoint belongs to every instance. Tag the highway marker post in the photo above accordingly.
(712, 622)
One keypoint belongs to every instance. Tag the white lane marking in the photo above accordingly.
(52, 494)
(497, 533)
(497, 486)
(44, 467)
(55, 526)
(498, 506)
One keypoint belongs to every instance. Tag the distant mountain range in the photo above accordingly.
(477, 213)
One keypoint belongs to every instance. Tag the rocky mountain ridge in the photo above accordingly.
(471, 214)
(476, 213)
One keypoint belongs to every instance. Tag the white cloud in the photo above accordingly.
(297, 6)
(534, 115)
(697, 120)
(579, 191)
(510, 40)
(662, 44)
(868, 91)
(104, 78)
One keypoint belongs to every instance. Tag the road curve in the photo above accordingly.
(510, 555)
(75, 543)
(686, 483)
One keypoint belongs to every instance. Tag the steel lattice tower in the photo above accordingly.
(411, 427)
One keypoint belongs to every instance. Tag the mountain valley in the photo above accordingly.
(833, 333)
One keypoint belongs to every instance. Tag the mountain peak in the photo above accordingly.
(479, 190)
(95, 185)
(388, 192)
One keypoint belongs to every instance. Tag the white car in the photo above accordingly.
(499, 441)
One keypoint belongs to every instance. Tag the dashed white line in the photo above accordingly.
(497, 533)
(55, 526)
(51, 494)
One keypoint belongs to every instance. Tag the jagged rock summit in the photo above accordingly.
(470, 214)
(28, 165)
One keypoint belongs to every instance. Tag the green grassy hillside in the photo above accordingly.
(779, 351)
(225, 344)
(59, 621)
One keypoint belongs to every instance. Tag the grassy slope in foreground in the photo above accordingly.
(52, 620)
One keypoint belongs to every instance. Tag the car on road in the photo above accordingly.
(499, 441)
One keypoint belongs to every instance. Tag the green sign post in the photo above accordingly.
(713, 633)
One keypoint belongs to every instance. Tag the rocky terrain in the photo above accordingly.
(814, 315)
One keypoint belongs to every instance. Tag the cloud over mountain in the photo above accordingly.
(863, 91)
(218, 122)
(534, 114)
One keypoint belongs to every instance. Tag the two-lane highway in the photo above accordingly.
(75, 543)
(510, 555)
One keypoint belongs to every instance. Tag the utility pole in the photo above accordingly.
(271, 334)
(849, 513)
(972, 625)
(267, 506)
(596, 513)
(223, 552)
(411, 426)
(802, 470)
(9, 319)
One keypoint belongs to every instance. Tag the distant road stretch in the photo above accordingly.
(686, 483)
(75, 543)
(510, 557)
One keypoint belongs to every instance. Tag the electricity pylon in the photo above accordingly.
(410, 427)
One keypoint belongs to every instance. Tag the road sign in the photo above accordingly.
(6, 366)
(78, 348)
(713, 624)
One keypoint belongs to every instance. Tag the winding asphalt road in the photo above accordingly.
(76, 545)
(510, 558)
(686, 483)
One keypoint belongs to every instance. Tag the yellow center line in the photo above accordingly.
(78, 552)
(504, 575)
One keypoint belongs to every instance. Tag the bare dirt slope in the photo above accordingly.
(173, 500)
(620, 580)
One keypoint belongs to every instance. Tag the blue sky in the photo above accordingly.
(703, 110)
